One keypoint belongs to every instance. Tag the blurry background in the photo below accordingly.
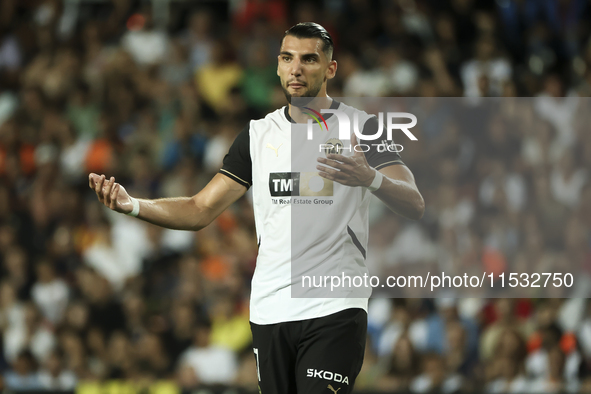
(154, 92)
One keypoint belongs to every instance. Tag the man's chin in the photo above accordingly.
(303, 96)
(299, 93)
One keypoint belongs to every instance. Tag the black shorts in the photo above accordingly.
(321, 355)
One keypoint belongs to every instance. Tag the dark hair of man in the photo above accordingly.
(312, 30)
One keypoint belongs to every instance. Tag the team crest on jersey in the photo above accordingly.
(333, 146)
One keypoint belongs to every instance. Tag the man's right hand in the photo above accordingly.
(110, 193)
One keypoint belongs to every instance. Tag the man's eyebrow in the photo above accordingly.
(310, 55)
(305, 55)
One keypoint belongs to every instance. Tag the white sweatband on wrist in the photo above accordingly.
(136, 207)
(377, 181)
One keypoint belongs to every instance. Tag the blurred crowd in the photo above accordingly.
(156, 98)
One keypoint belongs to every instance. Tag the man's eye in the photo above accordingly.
(285, 58)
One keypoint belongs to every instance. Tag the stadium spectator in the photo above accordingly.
(403, 366)
(215, 80)
(54, 377)
(434, 377)
(50, 293)
(488, 64)
(23, 375)
(147, 45)
(211, 364)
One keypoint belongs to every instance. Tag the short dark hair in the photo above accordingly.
(312, 30)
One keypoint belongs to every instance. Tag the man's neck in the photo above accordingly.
(300, 114)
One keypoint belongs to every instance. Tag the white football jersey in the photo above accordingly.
(306, 225)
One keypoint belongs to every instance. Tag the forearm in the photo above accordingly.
(401, 197)
(179, 213)
(193, 213)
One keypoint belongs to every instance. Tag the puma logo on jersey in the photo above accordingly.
(275, 149)
(327, 375)
(332, 389)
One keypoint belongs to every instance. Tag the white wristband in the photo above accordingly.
(377, 181)
(136, 207)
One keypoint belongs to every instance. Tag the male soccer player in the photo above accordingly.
(301, 345)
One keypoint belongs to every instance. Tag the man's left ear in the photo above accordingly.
(332, 69)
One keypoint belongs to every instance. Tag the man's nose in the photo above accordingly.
(296, 67)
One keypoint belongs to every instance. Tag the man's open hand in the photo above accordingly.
(110, 193)
(350, 171)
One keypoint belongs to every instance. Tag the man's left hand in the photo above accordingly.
(350, 171)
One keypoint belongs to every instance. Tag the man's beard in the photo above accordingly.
(306, 98)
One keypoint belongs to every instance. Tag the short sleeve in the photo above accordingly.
(237, 163)
(379, 157)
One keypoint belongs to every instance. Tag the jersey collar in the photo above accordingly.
(335, 105)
